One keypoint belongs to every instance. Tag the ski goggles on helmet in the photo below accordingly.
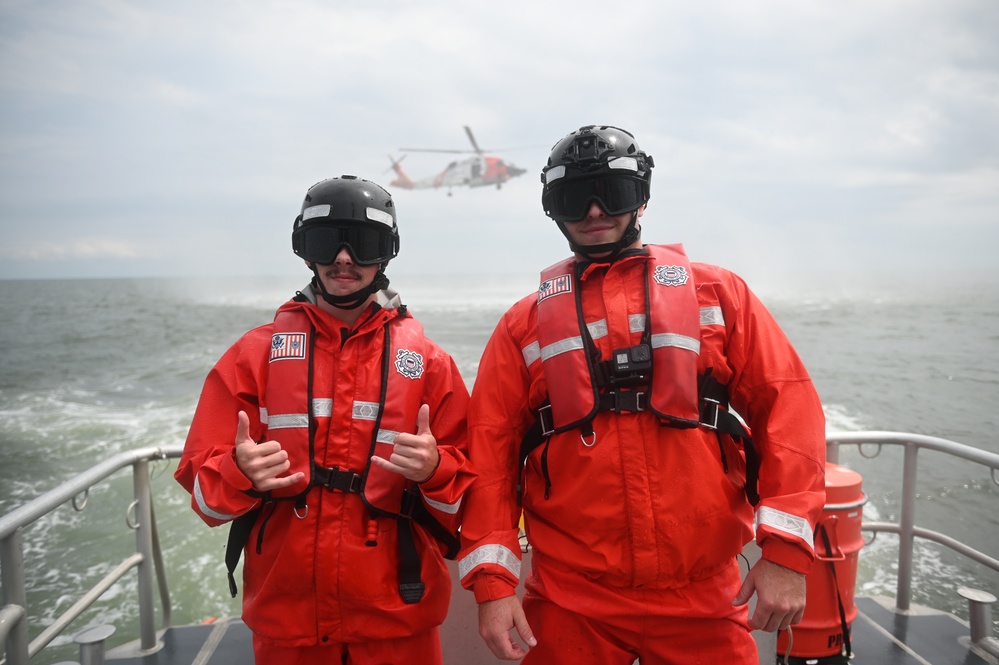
(569, 201)
(320, 243)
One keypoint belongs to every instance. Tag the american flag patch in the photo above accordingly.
(555, 286)
(287, 346)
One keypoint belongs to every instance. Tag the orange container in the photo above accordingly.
(818, 639)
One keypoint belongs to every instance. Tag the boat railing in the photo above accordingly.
(870, 445)
(147, 558)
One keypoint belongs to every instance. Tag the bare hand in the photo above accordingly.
(262, 463)
(780, 596)
(415, 456)
(496, 619)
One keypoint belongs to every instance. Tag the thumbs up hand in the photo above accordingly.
(415, 456)
(262, 463)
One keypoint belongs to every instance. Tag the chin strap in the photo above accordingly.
(612, 250)
(355, 299)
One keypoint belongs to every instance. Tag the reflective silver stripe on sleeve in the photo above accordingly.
(597, 329)
(636, 323)
(563, 346)
(786, 523)
(531, 353)
(386, 436)
(680, 341)
(496, 554)
(712, 316)
(322, 407)
(449, 508)
(204, 507)
(364, 411)
(263, 415)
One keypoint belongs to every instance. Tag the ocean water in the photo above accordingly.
(90, 368)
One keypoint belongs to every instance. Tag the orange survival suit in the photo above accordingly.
(624, 501)
(324, 564)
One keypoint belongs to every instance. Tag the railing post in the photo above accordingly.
(144, 546)
(907, 521)
(832, 453)
(12, 571)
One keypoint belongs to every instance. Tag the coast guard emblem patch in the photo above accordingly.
(555, 286)
(287, 346)
(409, 364)
(671, 275)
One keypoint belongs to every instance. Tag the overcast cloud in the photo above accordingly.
(792, 138)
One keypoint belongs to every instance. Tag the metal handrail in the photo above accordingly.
(906, 527)
(147, 557)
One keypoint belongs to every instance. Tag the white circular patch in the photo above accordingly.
(671, 275)
(409, 364)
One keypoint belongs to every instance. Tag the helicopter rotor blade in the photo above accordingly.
(395, 163)
(433, 150)
(475, 144)
(471, 138)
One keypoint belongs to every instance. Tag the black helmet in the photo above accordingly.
(347, 211)
(595, 163)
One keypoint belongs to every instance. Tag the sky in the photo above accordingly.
(792, 139)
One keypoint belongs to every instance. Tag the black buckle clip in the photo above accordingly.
(629, 401)
(545, 419)
(343, 480)
(709, 412)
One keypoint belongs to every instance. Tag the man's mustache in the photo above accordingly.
(336, 271)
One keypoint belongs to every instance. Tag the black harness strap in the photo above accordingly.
(239, 533)
(439, 532)
(712, 394)
(411, 586)
(847, 651)
(343, 480)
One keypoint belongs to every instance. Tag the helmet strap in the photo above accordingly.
(355, 299)
(611, 250)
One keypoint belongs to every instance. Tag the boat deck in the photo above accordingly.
(880, 637)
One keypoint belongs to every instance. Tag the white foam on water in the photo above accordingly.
(840, 419)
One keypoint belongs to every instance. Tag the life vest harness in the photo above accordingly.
(658, 375)
(664, 363)
(384, 493)
(714, 415)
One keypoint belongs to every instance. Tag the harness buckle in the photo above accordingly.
(546, 421)
(624, 401)
(709, 413)
(343, 480)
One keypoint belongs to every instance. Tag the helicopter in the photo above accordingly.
(481, 170)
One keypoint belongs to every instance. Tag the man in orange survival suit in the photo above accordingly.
(635, 498)
(352, 501)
